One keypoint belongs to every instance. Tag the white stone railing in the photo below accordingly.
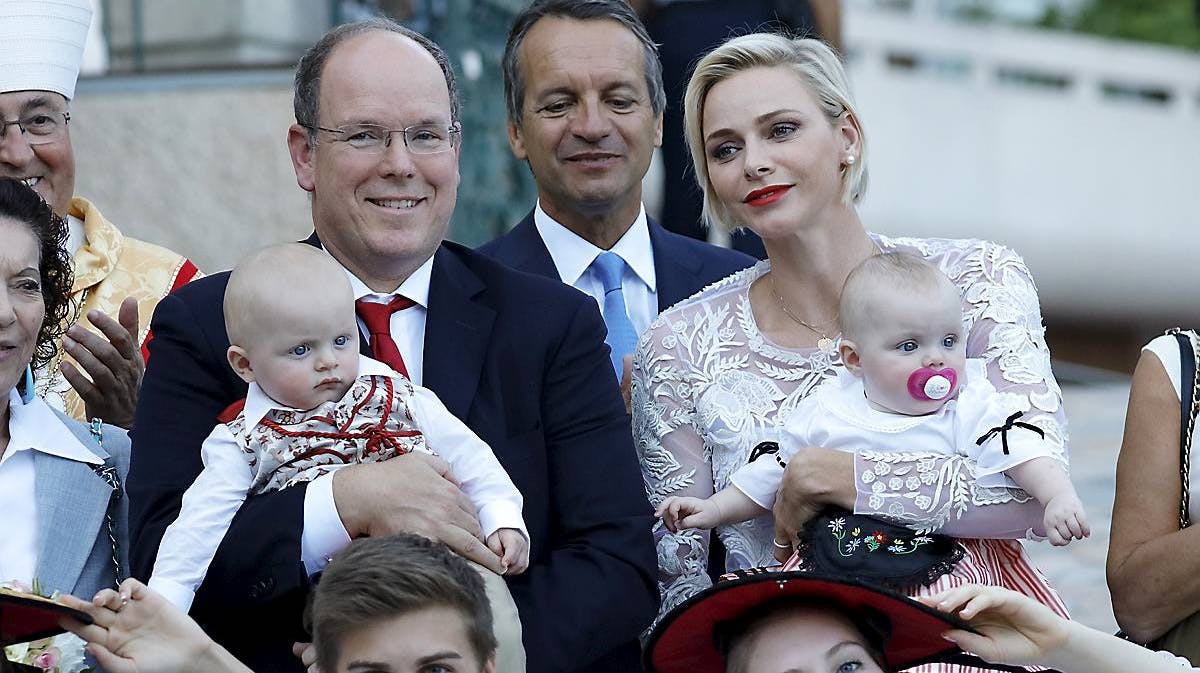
(1081, 153)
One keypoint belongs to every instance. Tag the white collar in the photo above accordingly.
(75, 236)
(259, 403)
(415, 287)
(572, 254)
(35, 427)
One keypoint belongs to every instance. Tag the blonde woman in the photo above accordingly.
(779, 148)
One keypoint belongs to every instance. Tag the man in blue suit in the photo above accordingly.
(518, 358)
(584, 91)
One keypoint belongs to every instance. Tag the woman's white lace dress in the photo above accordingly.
(708, 387)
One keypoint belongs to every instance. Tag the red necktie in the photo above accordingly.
(378, 319)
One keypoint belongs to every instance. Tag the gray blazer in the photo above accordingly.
(76, 553)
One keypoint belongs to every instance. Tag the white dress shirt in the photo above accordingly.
(210, 504)
(573, 257)
(324, 535)
(32, 427)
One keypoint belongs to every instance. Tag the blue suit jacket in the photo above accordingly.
(683, 266)
(522, 362)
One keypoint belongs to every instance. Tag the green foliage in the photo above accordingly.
(1169, 22)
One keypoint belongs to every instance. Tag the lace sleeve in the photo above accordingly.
(674, 458)
(936, 492)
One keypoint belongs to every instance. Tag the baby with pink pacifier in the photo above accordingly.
(906, 385)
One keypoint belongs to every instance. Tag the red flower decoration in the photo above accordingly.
(880, 538)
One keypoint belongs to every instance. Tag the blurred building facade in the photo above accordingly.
(1083, 154)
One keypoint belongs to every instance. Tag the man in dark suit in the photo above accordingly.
(585, 100)
(518, 358)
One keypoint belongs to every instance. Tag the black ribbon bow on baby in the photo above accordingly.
(1002, 430)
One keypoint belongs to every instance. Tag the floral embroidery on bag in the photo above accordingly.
(872, 542)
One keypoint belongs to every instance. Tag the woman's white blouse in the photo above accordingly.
(1166, 349)
(708, 387)
(32, 427)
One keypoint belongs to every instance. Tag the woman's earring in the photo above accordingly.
(850, 160)
(26, 388)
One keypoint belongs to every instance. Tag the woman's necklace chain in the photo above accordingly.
(824, 343)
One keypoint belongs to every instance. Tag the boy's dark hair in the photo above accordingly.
(375, 579)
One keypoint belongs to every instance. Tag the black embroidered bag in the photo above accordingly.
(866, 549)
(840, 543)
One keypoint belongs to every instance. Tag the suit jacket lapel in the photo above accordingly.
(677, 273)
(71, 502)
(457, 330)
(529, 252)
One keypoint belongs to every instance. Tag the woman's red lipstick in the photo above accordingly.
(766, 195)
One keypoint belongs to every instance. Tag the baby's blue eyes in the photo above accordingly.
(299, 350)
(341, 341)
(949, 342)
(907, 346)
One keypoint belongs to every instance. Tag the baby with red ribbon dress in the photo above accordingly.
(906, 385)
(314, 405)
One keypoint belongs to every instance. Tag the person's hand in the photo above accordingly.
(1065, 519)
(1013, 628)
(679, 512)
(113, 362)
(814, 477)
(627, 383)
(510, 545)
(307, 655)
(413, 493)
(138, 631)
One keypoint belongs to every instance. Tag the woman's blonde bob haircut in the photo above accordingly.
(817, 66)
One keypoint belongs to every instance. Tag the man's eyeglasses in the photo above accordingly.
(40, 128)
(375, 139)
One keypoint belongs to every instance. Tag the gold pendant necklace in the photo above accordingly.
(824, 343)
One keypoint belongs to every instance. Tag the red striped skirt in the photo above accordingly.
(990, 562)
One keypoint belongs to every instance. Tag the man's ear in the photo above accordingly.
(490, 666)
(515, 142)
(301, 149)
(849, 352)
(240, 362)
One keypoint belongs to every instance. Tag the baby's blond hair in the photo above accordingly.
(266, 275)
(892, 272)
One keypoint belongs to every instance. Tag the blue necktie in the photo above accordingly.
(622, 337)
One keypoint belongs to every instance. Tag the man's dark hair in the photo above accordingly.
(582, 10)
(376, 579)
(19, 202)
(307, 88)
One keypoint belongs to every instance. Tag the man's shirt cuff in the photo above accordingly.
(324, 535)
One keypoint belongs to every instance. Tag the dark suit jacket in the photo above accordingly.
(683, 266)
(522, 362)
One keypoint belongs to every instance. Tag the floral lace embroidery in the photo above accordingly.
(708, 387)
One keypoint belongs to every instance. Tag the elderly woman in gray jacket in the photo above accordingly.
(60, 480)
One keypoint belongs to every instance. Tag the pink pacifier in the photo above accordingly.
(929, 384)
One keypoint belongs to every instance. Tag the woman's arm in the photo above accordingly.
(1152, 564)
(1015, 629)
(138, 631)
(673, 460)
